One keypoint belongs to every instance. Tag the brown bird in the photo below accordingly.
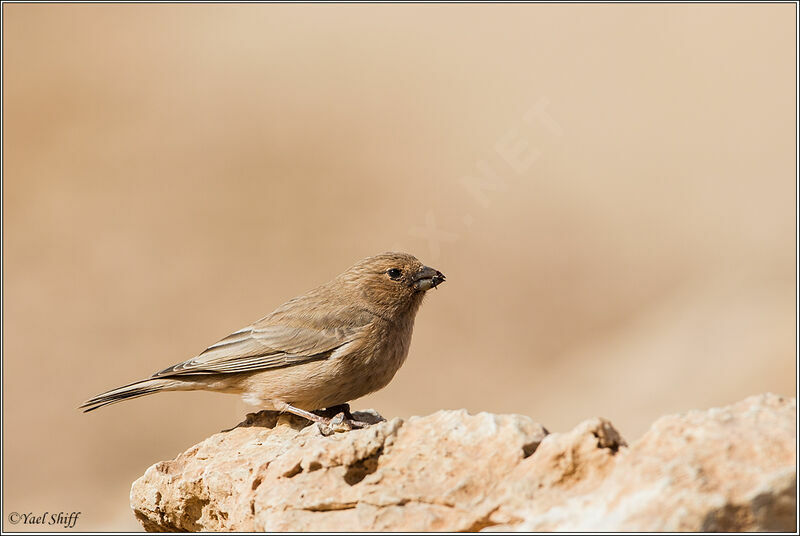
(338, 342)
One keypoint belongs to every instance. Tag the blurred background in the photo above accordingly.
(610, 190)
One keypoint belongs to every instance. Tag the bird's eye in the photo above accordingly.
(394, 273)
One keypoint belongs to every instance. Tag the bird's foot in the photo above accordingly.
(339, 423)
(341, 414)
(331, 420)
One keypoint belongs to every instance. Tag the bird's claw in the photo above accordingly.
(339, 423)
(336, 424)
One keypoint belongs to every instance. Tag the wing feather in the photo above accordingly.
(264, 345)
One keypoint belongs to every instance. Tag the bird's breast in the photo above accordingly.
(377, 356)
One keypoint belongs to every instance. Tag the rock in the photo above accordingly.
(729, 469)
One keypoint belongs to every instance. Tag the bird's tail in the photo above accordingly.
(132, 390)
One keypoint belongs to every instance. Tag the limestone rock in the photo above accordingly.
(722, 469)
(727, 469)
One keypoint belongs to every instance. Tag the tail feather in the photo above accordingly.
(132, 390)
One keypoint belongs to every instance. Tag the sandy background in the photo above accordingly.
(173, 173)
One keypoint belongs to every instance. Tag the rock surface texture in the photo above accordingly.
(726, 469)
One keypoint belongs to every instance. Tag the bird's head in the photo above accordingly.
(396, 282)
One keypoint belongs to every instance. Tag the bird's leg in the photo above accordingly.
(336, 423)
(313, 417)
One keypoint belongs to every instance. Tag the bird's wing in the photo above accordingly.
(265, 345)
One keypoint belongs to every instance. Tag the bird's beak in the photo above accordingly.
(427, 278)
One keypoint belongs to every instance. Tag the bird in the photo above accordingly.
(336, 343)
